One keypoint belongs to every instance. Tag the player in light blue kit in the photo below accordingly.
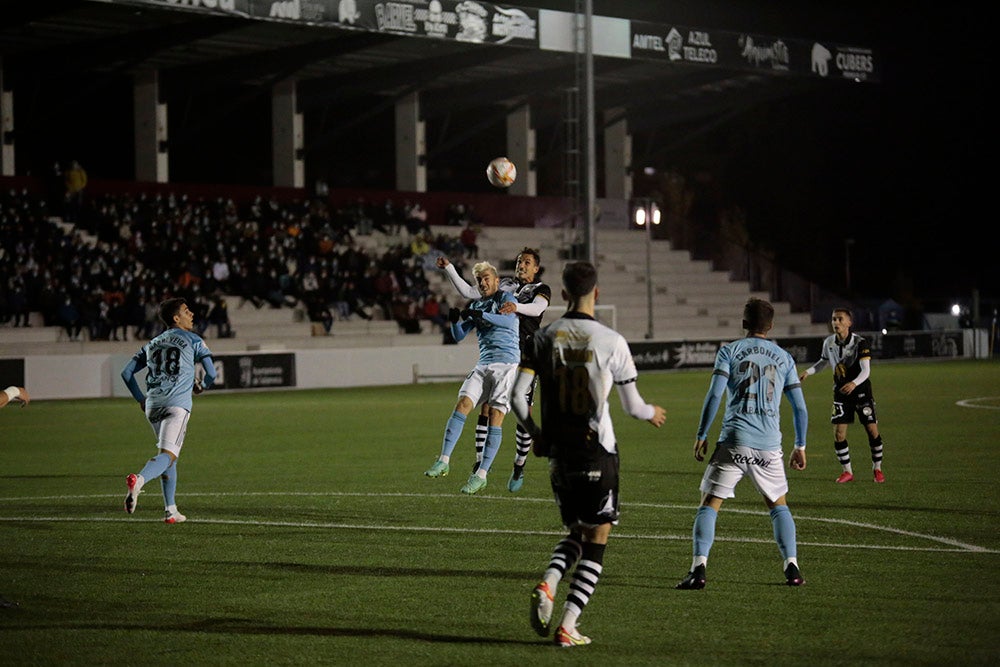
(171, 358)
(492, 378)
(755, 372)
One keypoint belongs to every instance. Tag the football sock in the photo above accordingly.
(784, 530)
(452, 430)
(843, 454)
(493, 436)
(169, 482)
(482, 426)
(564, 557)
(703, 533)
(876, 447)
(585, 578)
(155, 466)
(523, 443)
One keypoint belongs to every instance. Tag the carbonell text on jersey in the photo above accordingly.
(758, 350)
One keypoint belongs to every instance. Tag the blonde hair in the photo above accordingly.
(483, 267)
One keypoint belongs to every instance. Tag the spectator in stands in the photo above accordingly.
(114, 297)
(387, 219)
(420, 245)
(349, 295)
(318, 312)
(76, 182)
(386, 288)
(220, 272)
(69, 318)
(219, 316)
(200, 306)
(415, 218)
(469, 239)
(432, 311)
(404, 311)
(17, 302)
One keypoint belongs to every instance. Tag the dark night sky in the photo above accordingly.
(898, 166)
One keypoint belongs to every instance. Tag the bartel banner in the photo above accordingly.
(804, 349)
(745, 51)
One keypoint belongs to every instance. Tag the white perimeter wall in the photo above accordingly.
(99, 375)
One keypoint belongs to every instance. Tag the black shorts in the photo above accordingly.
(586, 492)
(845, 406)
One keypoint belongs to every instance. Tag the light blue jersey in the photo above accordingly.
(499, 340)
(171, 359)
(754, 372)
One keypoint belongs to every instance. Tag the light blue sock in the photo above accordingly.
(493, 436)
(704, 530)
(452, 431)
(784, 531)
(155, 466)
(169, 482)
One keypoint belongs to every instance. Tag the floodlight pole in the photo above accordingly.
(649, 276)
(647, 214)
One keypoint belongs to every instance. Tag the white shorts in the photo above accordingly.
(490, 384)
(170, 427)
(731, 463)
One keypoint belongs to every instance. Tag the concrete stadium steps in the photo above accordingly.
(690, 299)
(52, 341)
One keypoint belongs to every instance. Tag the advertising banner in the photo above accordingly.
(805, 350)
(12, 373)
(254, 371)
(746, 51)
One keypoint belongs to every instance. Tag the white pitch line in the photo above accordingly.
(971, 403)
(958, 547)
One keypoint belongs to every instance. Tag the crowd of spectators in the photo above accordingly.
(102, 277)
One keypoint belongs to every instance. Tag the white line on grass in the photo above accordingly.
(957, 546)
(971, 402)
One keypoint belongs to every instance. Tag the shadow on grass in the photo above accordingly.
(239, 626)
(376, 571)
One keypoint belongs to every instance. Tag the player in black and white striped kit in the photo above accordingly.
(850, 357)
(533, 297)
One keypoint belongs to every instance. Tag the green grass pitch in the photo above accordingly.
(313, 537)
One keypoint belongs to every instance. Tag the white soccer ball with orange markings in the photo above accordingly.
(501, 172)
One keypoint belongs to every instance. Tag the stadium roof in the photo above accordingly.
(350, 72)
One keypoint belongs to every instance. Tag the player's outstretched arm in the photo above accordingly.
(636, 406)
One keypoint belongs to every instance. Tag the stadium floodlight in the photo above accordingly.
(646, 213)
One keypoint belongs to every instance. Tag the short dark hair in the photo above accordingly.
(758, 316)
(169, 309)
(533, 252)
(579, 278)
(845, 310)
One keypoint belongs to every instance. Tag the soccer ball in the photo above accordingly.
(501, 172)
